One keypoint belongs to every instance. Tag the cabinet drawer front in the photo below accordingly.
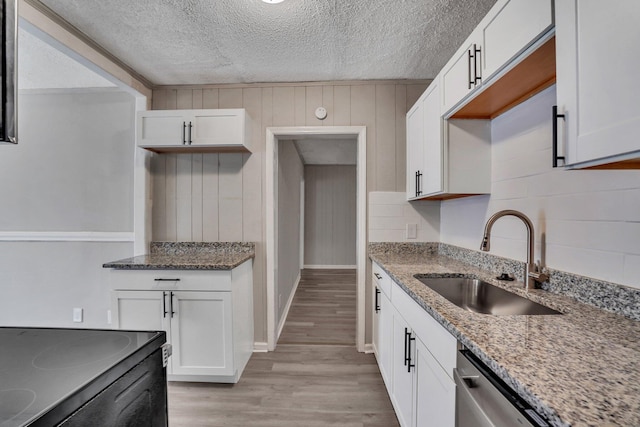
(382, 279)
(184, 280)
(437, 339)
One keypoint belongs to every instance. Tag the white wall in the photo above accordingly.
(586, 222)
(290, 177)
(72, 172)
(330, 216)
(389, 214)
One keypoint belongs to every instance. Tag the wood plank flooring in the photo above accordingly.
(323, 310)
(314, 378)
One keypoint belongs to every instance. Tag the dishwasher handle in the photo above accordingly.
(468, 411)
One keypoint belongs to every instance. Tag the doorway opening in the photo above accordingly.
(285, 217)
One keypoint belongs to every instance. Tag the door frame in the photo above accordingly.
(273, 135)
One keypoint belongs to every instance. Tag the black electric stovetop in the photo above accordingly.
(41, 368)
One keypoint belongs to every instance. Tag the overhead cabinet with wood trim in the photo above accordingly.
(445, 159)
(598, 113)
(508, 58)
(506, 36)
(220, 130)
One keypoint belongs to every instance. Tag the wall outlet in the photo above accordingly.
(412, 231)
(77, 315)
(108, 317)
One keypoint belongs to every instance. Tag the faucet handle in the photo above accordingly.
(537, 273)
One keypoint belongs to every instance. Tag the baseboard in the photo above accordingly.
(368, 348)
(287, 307)
(260, 347)
(331, 267)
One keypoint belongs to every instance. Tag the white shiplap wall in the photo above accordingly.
(231, 206)
(587, 222)
(390, 212)
(330, 216)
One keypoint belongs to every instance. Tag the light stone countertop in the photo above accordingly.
(581, 368)
(188, 256)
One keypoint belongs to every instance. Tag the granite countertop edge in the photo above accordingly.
(177, 262)
(401, 269)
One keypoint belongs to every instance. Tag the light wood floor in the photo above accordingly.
(323, 310)
(314, 378)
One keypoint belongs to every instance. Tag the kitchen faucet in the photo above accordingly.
(533, 271)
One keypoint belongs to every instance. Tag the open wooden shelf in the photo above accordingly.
(533, 74)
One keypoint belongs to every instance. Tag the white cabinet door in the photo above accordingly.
(141, 310)
(403, 373)
(435, 392)
(511, 29)
(433, 156)
(597, 89)
(223, 128)
(463, 72)
(415, 149)
(201, 333)
(385, 337)
(162, 128)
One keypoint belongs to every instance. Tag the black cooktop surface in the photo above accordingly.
(40, 368)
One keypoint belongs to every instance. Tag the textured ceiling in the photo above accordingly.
(172, 42)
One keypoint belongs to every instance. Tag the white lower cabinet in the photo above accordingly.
(416, 361)
(435, 391)
(210, 331)
(403, 370)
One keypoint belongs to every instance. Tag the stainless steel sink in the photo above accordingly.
(481, 297)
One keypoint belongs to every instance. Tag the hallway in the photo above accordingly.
(314, 378)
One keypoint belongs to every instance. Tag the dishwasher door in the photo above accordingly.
(482, 400)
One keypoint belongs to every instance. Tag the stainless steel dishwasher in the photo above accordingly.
(484, 400)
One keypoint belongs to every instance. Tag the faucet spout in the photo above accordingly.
(533, 271)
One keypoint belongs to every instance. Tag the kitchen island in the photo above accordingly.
(581, 368)
(75, 377)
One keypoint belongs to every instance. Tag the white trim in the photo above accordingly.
(368, 348)
(66, 236)
(287, 307)
(272, 135)
(260, 347)
(329, 267)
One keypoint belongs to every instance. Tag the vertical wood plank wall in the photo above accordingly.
(219, 197)
(330, 215)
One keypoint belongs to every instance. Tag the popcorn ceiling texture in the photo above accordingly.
(173, 42)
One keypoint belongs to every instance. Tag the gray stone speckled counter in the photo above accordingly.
(188, 256)
(581, 368)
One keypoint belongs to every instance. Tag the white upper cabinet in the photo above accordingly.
(424, 145)
(224, 130)
(463, 72)
(511, 30)
(415, 149)
(445, 159)
(598, 54)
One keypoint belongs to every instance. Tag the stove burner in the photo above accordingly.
(14, 402)
(81, 351)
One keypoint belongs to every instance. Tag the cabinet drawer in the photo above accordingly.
(382, 279)
(440, 343)
(183, 280)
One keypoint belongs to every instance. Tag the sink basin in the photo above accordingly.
(481, 297)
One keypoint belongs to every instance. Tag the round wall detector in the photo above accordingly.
(321, 113)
